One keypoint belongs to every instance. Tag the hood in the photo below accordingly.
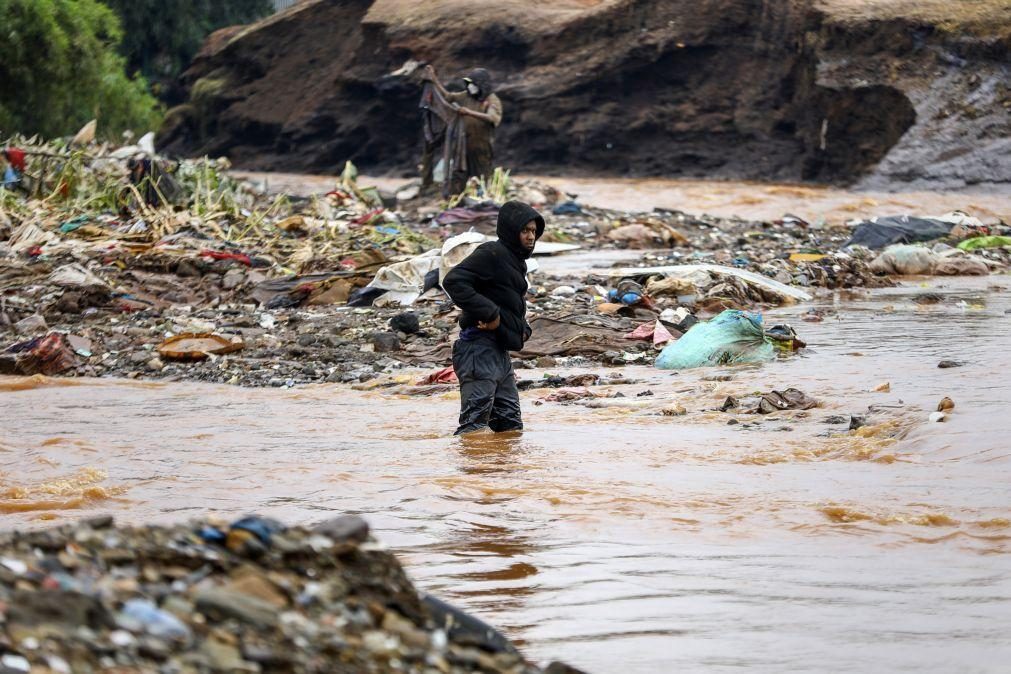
(482, 78)
(511, 218)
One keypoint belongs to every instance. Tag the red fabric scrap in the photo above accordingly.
(16, 156)
(367, 217)
(446, 375)
(222, 255)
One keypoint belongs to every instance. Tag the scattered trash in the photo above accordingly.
(877, 233)
(34, 324)
(406, 322)
(197, 346)
(567, 208)
(775, 291)
(936, 417)
(627, 292)
(655, 332)
(732, 337)
(907, 260)
(790, 399)
(980, 242)
(446, 375)
(48, 355)
(884, 387)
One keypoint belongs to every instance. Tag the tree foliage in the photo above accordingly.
(59, 68)
(162, 36)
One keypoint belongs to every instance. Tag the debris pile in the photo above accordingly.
(117, 262)
(250, 596)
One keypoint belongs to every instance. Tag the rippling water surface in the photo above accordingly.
(618, 539)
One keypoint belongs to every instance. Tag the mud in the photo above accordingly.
(787, 90)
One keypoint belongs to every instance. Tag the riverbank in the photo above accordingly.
(271, 280)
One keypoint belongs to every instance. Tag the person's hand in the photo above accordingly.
(490, 325)
(463, 111)
(428, 73)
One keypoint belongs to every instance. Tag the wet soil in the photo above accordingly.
(885, 94)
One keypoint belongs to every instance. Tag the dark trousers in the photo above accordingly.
(488, 395)
(480, 162)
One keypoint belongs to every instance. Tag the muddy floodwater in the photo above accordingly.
(759, 201)
(616, 538)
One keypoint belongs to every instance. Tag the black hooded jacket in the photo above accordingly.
(492, 280)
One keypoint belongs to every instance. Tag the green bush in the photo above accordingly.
(59, 68)
(162, 36)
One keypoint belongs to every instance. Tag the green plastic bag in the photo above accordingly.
(977, 242)
(732, 337)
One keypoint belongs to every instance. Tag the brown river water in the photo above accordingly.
(615, 538)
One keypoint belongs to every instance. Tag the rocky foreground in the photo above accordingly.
(250, 596)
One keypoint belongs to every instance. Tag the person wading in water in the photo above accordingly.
(490, 288)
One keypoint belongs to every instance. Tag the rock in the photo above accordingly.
(221, 604)
(857, 422)
(563, 291)
(138, 357)
(344, 528)
(69, 303)
(546, 362)
(33, 325)
(883, 387)
(306, 340)
(675, 410)
(385, 342)
(248, 580)
(233, 278)
(406, 323)
(225, 657)
(58, 608)
(155, 364)
(186, 268)
(946, 405)
(562, 668)
(97, 522)
(950, 363)
(730, 403)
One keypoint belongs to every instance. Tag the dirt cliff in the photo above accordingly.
(869, 91)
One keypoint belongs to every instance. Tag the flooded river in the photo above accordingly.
(723, 198)
(617, 539)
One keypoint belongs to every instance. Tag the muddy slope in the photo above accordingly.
(754, 89)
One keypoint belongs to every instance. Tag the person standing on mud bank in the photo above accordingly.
(490, 288)
(481, 110)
